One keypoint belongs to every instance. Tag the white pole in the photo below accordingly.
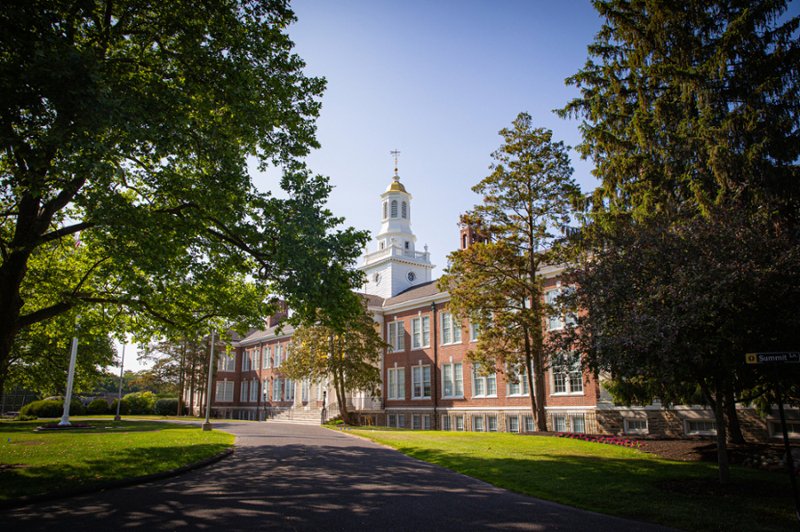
(207, 424)
(70, 376)
(121, 367)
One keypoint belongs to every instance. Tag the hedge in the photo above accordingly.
(97, 407)
(167, 407)
(51, 408)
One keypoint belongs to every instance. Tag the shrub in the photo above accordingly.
(51, 408)
(97, 407)
(25, 418)
(140, 402)
(123, 408)
(167, 406)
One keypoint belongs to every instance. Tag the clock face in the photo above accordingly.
(411, 276)
(377, 278)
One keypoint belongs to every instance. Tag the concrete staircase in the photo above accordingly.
(298, 416)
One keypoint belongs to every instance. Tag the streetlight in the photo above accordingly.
(207, 424)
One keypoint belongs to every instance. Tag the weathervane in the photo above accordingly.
(395, 153)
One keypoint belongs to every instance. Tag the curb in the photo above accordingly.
(111, 484)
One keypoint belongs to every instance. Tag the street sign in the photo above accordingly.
(778, 357)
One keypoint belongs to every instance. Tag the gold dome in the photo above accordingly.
(396, 185)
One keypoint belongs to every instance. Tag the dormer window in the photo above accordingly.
(404, 210)
(394, 208)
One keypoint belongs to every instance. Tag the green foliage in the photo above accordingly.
(494, 283)
(140, 402)
(123, 407)
(23, 417)
(51, 408)
(166, 407)
(128, 129)
(97, 407)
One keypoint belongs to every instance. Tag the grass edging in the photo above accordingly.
(111, 484)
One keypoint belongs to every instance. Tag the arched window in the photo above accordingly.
(464, 241)
(394, 208)
(404, 210)
(385, 205)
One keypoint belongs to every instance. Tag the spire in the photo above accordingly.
(395, 152)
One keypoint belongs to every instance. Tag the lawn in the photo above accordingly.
(35, 463)
(607, 479)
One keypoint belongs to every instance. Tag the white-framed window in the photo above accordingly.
(266, 357)
(557, 318)
(459, 422)
(792, 430)
(246, 360)
(396, 334)
(416, 422)
(578, 423)
(243, 388)
(278, 356)
(512, 423)
(320, 390)
(255, 362)
(559, 423)
(226, 363)
(265, 390)
(491, 423)
(477, 423)
(421, 382)
(305, 387)
(396, 384)
(483, 385)
(445, 422)
(451, 329)
(404, 209)
(518, 384)
(394, 208)
(391, 420)
(473, 332)
(706, 427)
(567, 374)
(254, 391)
(635, 425)
(426, 422)
(289, 384)
(421, 332)
(276, 389)
(401, 421)
(452, 380)
(527, 423)
(224, 391)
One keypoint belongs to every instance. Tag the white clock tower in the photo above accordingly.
(396, 265)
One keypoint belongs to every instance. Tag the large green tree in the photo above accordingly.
(129, 125)
(527, 200)
(690, 113)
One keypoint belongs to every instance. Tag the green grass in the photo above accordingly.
(36, 463)
(607, 479)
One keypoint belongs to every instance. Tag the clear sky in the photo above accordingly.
(436, 80)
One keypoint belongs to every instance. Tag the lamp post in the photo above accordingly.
(119, 394)
(70, 376)
(207, 424)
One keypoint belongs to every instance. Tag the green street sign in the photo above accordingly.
(778, 357)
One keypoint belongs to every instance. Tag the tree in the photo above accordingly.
(496, 283)
(127, 127)
(348, 354)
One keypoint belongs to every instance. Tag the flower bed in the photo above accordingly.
(610, 440)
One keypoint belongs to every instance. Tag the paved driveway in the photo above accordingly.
(295, 477)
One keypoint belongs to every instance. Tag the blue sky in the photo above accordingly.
(436, 80)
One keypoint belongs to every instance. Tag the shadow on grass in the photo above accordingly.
(98, 425)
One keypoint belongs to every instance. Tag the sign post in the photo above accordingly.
(774, 360)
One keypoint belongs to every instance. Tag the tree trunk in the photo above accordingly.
(722, 442)
(12, 272)
(181, 373)
(732, 417)
(192, 383)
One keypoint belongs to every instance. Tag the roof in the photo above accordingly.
(372, 300)
(424, 290)
(268, 334)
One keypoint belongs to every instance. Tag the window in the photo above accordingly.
(397, 335)
(459, 422)
(256, 353)
(491, 423)
(265, 390)
(407, 245)
(266, 357)
(391, 420)
(473, 332)
(567, 374)
(559, 423)
(421, 382)
(701, 426)
(304, 389)
(254, 391)
(528, 423)
(477, 423)
(246, 360)
(520, 387)
(394, 208)
(404, 210)
(411, 277)
(396, 383)
(224, 391)
(276, 389)
(445, 422)
(278, 356)
(226, 363)
(385, 206)
(426, 422)
(483, 385)
(243, 391)
(421, 332)
(289, 386)
(512, 423)
(452, 380)
(635, 425)
(578, 422)
(451, 329)
(792, 430)
(416, 422)
(557, 318)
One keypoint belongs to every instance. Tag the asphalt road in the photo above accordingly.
(295, 477)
